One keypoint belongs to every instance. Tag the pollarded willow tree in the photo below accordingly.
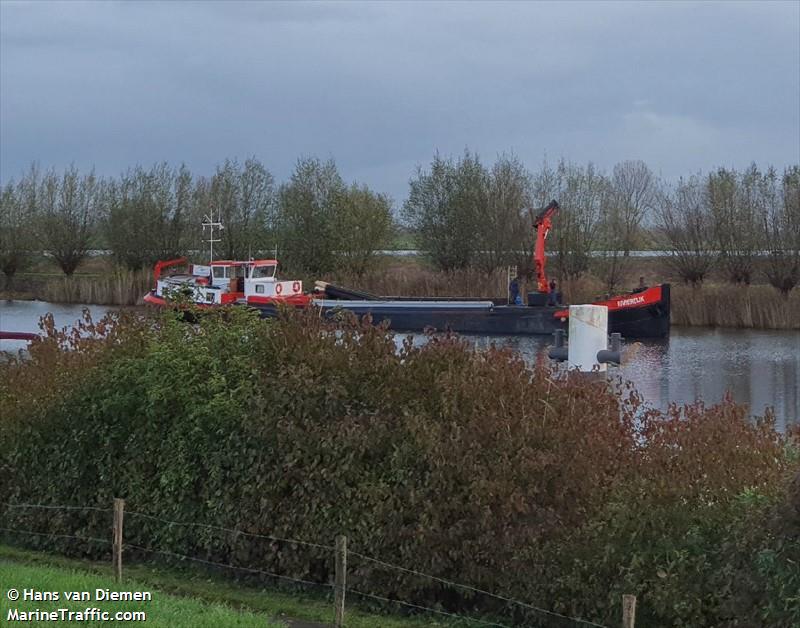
(306, 212)
(780, 221)
(147, 213)
(468, 215)
(68, 209)
(685, 225)
(16, 223)
(444, 208)
(582, 193)
(506, 235)
(631, 199)
(734, 205)
(243, 196)
(362, 226)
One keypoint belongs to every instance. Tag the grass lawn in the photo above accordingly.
(183, 597)
(163, 610)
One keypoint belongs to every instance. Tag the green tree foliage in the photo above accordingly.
(582, 193)
(16, 230)
(307, 209)
(445, 207)
(362, 226)
(467, 465)
(733, 202)
(243, 198)
(68, 210)
(505, 233)
(147, 214)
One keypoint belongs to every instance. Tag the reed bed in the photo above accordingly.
(119, 288)
(756, 307)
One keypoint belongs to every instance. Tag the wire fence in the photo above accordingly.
(338, 552)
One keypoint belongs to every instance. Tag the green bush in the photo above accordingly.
(551, 488)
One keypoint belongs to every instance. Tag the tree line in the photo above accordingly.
(462, 213)
(469, 215)
(315, 221)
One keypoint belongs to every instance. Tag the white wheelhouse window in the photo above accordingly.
(264, 272)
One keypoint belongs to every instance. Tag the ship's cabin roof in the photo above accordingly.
(252, 262)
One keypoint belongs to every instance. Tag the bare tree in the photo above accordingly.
(684, 223)
(634, 190)
(631, 199)
(611, 259)
(781, 227)
(68, 213)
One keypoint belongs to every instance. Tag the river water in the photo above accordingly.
(761, 368)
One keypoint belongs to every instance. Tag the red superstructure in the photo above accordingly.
(645, 298)
(224, 282)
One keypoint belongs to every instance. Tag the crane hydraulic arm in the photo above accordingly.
(542, 223)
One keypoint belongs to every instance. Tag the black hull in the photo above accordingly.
(651, 321)
(499, 320)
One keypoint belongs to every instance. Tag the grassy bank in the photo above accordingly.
(183, 596)
(163, 610)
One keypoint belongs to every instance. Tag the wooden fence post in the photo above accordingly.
(119, 512)
(341, 580)
(628, 611)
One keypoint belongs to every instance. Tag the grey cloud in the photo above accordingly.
(380, 86)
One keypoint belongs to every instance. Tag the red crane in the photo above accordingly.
(542, 224)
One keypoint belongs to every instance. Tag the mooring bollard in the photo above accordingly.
(612, 355)
(559, 351)
(586, 335)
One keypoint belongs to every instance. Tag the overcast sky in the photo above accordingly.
(380, 86)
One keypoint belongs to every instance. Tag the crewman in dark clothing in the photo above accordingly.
(552, 297)
(513, 291)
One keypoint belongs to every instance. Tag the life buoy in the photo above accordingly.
(296, 286)
(278, 288)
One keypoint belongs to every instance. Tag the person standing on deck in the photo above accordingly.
(552, 296)
(513, 292)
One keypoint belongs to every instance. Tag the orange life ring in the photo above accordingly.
(296, 286)
(278, 288)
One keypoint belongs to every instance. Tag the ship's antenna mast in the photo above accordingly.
(211, 224)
